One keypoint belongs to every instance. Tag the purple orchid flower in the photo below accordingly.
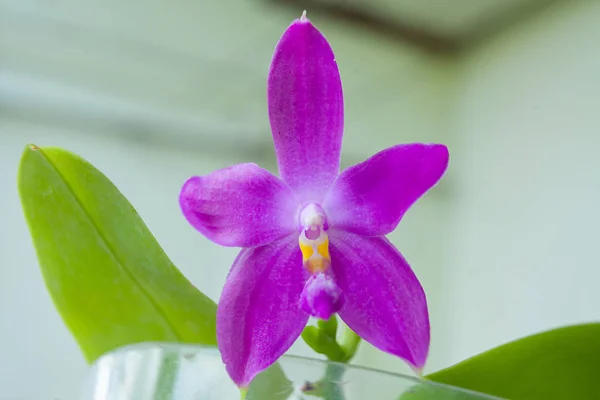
(313, 241)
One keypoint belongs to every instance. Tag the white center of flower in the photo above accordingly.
(312, 215)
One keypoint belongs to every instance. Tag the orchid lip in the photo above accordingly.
(321, 297)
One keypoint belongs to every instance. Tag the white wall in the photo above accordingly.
(524, 236)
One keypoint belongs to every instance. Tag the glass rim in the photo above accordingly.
(195, 349)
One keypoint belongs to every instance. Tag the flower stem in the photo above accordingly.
(328, 387)
(349, 343)
(323, 341)
(167, 377)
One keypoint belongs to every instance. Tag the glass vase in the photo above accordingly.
(156, 371)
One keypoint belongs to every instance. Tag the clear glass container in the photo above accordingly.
(181, 372)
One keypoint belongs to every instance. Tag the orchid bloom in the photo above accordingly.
(314, 239)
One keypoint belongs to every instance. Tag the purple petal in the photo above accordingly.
(259, 316)
(371, 198)
(384, 301)
(243, 205)
(304, 95)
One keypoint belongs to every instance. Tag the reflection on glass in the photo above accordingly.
(183, 372)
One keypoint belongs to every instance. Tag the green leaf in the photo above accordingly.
(563, 364)
(107, 275)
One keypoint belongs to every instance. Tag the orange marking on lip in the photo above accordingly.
(323, 248)
(307, 250)
(317, 264)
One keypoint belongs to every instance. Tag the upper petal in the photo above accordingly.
(370, 198)
(243, 205)
(306, 110)
(384, 301)
(259, 316)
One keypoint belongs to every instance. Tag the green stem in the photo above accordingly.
(333, 376)
(323, 341)
(328, 388)
(349, 342)
(167, 377)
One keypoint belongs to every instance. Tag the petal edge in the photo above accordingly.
(371, 198)
(384, 301)
(259, 315)
(242, 205)
(306, 110)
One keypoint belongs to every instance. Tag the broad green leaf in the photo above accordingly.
(563, 364)
(107, 275)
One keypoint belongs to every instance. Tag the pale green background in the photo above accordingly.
(505, 246)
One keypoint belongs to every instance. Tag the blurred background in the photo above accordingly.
(153, 92)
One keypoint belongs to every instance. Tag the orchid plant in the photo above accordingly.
(313, 240)
(313, 245)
